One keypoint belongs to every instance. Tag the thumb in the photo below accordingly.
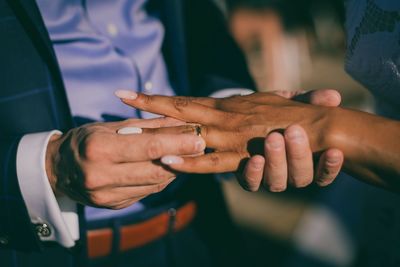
(322, 97)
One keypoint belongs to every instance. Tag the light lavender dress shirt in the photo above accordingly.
(102, 46)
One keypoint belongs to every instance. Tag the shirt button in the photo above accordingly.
(148, 86)
(112, 29)
(4, 240)
(43, 229)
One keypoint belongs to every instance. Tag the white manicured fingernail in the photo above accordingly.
(168, 160)
(126, 94)
(130, 130)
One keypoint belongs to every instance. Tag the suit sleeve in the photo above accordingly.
(16, 230)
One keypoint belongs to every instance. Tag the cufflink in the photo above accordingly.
(43, 229)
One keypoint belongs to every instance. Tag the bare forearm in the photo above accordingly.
(370, 144)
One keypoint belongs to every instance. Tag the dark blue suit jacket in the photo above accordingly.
(201, 58)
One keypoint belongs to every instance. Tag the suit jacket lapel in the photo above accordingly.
(30, 18)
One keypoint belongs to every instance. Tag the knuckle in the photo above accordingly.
(93, 181)
(180, 102)
(100, 199)
(90, 182)
(146, 99)
(160, 187)
(214, 160)
(159, 175)
(92, 148)
(154, 149)
(261, 109)
(234, 118)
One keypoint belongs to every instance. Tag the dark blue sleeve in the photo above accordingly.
(16, 230)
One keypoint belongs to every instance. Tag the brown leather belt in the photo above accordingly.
(139, 234)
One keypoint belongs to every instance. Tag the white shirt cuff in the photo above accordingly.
(58, 213)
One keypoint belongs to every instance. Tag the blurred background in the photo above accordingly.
(298, 45)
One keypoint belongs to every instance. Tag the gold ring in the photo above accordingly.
(198, 130)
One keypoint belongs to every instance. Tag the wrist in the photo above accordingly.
(51, 159)
(331, 134)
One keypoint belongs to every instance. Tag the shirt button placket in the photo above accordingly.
(148, 87)
(112, 29)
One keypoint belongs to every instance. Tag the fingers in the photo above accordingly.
(144, 147)
(299, 155)
(154, 123)
(120, 196)
(181, 108)
(276, 167)
(323, 97)
(329, 166)
(296, 160)
(253, 173)
(145, 123)
(209, 163)
(214, 138)
(139, 174)
(183, 129)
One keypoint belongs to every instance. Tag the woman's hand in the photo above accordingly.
(233, 126)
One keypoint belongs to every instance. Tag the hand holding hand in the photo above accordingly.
(288, 161)
(235, 127)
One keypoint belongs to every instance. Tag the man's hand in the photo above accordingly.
(236, 127)
(287, 158)
(96, 166)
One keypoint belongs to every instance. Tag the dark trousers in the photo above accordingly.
(210, 240)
